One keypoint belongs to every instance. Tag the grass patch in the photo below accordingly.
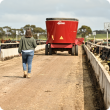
(98, 36)
(41, 37)
(10, 37)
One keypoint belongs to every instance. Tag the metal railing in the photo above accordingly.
(102, 46)
(15, 45)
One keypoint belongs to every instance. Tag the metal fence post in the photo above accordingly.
(107, 37)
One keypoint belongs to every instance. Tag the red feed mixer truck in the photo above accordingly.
(61, 35)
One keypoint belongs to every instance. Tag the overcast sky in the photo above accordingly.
(18, 13)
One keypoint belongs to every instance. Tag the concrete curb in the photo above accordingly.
(6, 54)
(102, 76)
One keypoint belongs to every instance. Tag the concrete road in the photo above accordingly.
(57, 83)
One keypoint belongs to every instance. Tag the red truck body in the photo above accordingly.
(61, 34)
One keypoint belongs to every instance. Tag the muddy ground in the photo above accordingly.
(58, 82)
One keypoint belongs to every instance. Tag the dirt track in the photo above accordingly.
(58, 82)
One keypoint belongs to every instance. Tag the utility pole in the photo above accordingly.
(16, 35)
(107, 27)
(94, 34)
(107, 37)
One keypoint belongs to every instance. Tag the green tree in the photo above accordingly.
(26, 27)
(32, 27)
(21, 31)
(35, 30)
(7, 30)
(84, 30)
(1, 33)
(13, 33)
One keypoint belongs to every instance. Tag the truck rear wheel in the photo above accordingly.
(76, 50)
(50, 50)
(73, 50)
(69, 52)
(46, 49)
(54, 52)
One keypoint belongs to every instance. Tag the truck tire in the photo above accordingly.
(73, 50)
(69, 52)
(76, 50)
(54, 52)
(50, 50)
(46, 49)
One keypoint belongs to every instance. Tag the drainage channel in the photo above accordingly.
(93, 98)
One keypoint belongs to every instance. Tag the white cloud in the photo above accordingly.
(20, 20)
(1, 1)
(17, 13)
(96, 23)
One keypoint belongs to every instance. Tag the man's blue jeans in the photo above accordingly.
(27, 59)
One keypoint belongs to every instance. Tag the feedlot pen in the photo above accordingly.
(59, 82)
